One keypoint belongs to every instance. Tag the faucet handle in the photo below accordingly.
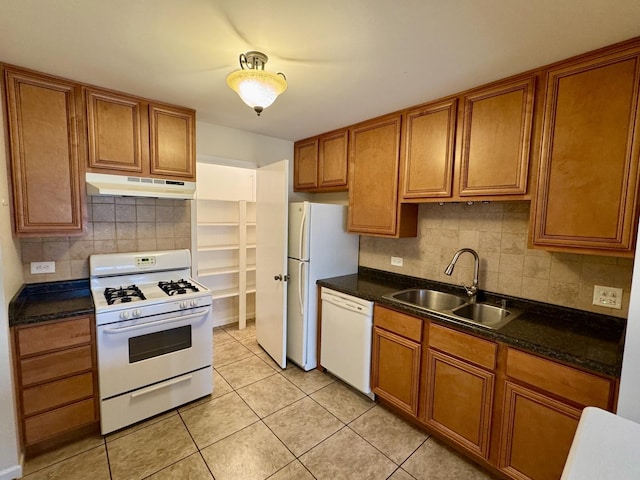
(471, 291)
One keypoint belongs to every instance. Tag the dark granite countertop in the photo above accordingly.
(587, 340)
(39, 302)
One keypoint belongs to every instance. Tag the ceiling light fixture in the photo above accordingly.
(256, 87)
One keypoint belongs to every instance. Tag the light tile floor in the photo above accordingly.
(262, 422)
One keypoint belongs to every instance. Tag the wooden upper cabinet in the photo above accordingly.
(496, 136)
(588, 176)
(305, 165)
(374, 151)
(45, 157)
(427, 150)
(320, 163)
(129, 136)
(172, 141)
(332, 160)
(114, 131)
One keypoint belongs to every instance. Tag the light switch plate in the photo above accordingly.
(396, 261)
(43, 267)
(609, 297)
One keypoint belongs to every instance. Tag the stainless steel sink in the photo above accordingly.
(455, 307)
(427, 299)
(485, 315)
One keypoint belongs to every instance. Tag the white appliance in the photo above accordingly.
(154, 334)
(319, 247)
(605, 447)
(345, 349)
(108, 184)
(629, 393)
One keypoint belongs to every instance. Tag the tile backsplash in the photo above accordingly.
(498, 232)
(115, 224)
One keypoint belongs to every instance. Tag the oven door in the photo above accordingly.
(136, 353)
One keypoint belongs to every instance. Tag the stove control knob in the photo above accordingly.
(125, 315)
(184, 304)
(194, 302)
(137, 312)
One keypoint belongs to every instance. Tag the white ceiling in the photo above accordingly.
(345, 60)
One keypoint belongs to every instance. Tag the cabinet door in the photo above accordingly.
(459, 401)
(45, 154)
(588, 177)
(537, 432)
(332, 160)
(429, 135)
(395, 370)
(114, 134)
(374, 150)
(496, 135)
(305, 165)
(172, 142)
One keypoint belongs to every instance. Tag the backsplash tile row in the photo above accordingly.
(115, 224)
(498, 232)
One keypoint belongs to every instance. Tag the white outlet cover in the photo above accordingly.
(609, 297)
(396, 261)
(43, 267)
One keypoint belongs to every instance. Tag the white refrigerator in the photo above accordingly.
(319, 247)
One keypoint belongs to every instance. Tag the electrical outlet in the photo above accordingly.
(396, 261)
(609, 297)
(43, 267)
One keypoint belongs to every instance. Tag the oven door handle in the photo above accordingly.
(113, 331)
(159, 386)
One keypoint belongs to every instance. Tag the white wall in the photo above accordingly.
(240, 148)
(10, 280)
(237, 148)
(629, 395)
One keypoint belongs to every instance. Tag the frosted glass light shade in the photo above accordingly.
(257, 88)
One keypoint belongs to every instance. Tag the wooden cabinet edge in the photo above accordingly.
(526, 83)
(14, 148)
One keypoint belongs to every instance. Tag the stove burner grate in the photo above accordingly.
(177, 288)
(123, 294)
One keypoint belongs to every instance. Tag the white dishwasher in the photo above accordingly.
(345, 348)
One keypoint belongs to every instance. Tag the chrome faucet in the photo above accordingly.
(473, 289)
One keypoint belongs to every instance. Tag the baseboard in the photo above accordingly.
(11, 473)
(222, 322)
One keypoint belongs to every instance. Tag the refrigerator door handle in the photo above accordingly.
(303, 223)
(300, 284)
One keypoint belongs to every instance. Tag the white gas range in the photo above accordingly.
(154, 334)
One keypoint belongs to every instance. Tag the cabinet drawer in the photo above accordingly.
(53, 394)
(470, 348)
(52, 336)
(60, 420)
(577, 386)
(55, 365)
(405, 325)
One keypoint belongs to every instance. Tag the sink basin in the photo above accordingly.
(485, 315)
(427, 299)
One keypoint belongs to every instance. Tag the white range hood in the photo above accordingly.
(125, 185)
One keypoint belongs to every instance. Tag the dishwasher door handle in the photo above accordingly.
(343, 303)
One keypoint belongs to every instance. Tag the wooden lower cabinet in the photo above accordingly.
(459, 401)
(56, 378)
(507, 409)
(395, 358)
(395, 370)
(537, 432)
